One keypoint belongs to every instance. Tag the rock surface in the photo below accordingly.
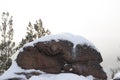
(15, 79)
(60, 56)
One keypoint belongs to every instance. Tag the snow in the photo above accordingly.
(117, 75)
(10, 73)
(14, 68)
(62, 76)
(70, 69)
(75, 39)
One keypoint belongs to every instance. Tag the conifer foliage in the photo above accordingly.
(115, 70)
(7, 46)
(34, 32)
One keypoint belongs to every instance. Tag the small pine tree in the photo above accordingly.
(34, 32)
(7, 46)
(118, 59)
(116, 70)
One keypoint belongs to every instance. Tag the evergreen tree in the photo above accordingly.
(116, 70)
(7, 46)
(118, 59)
(34, 32)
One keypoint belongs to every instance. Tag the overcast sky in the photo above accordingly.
(96, 20)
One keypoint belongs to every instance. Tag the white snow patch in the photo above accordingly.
(70, 69)
(14, 68)
(62, 76)
(75, 39)
(117, 75)
(14, 56)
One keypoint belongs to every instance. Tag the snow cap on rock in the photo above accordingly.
(75, 39)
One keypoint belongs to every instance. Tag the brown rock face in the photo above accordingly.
(31, 58)
(15, 79)
(60, 56)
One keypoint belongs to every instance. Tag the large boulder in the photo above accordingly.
(62, 55)
(31, 58)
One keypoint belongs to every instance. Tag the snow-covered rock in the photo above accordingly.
(75, 39)
(10, 74)
(56, 57)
